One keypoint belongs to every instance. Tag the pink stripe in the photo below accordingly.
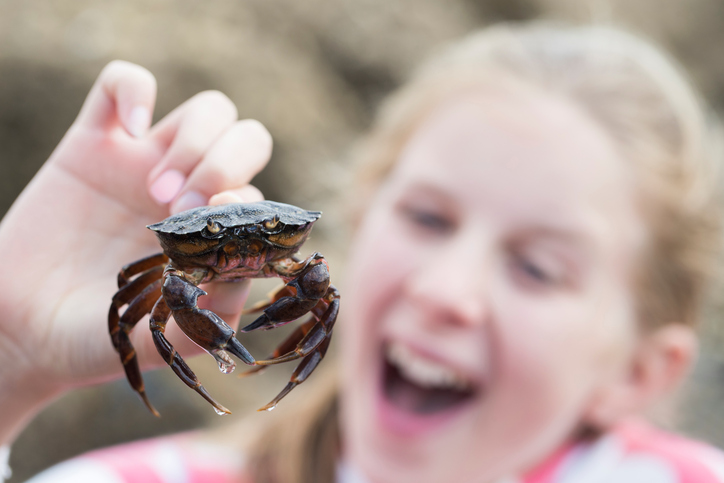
(128, 462)
(134, 462)
(546, 471)
(684, 455)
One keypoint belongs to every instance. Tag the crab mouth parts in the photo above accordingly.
(421, 386)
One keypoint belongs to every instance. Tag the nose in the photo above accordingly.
(453, 283)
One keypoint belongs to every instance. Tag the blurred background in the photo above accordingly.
(313, 72)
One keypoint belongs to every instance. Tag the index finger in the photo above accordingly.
(124, 94)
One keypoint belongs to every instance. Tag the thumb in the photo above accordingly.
(124, 94)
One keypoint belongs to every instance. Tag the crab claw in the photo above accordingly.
(235, 347)
(262, 321)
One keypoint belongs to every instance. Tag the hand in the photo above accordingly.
(83, 216)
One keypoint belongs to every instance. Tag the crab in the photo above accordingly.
(227, 243)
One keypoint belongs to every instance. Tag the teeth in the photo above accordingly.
(423, 371)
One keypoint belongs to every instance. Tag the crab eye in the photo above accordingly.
(271, 224)
(213, 226)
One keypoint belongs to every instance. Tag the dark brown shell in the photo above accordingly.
(234, 215)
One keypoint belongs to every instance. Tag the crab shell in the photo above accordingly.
(233, 215)
(199, 231)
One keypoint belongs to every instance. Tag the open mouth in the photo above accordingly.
(421, 386)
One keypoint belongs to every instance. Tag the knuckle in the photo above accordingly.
(217, 102)
(250, 193)
(195, 146)
(114, 66)
(214, 179)
(144, 75)
(256, 132)
(122, 69)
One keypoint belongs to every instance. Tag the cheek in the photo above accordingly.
(552, 369)
(380, 259)
(562, 347)
(379, 262)
(543, 381)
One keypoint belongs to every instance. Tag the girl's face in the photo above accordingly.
(490, 301)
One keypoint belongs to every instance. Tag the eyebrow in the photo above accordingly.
(429, 190)
(556, 232)
(425, 187)
(576, 243)
(559, 231)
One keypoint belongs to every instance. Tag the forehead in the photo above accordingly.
(522, 156)
(542, 143)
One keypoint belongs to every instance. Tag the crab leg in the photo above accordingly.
(139, 266)
(159, 318)
(301, 373)
(130, 290)
(309, 340)
(119, 328)
(289, 344)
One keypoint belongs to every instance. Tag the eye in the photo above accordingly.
(272, 226)
(534, 274)
(212, 226)
(272, 223)
(532, 271)
(428, 220)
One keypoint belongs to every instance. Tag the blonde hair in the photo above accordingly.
(637, 95)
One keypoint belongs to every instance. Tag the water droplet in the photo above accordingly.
(271, 408)
(226, 368)
(220, 412)
(225, 362)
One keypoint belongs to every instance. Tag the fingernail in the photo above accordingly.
(139, 120)
(167, 186)
(188, 200)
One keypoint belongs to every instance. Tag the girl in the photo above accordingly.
(523, 286)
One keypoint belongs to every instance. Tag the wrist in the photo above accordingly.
(22, 397)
